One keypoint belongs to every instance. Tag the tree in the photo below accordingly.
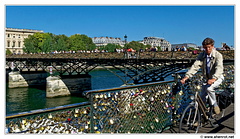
(81, 42)
(88, 42)
(30, 44)
(38, 41)
(61, 43)
(135, 45)
(46, 45)
(76, 43)
(48, 42)
(91, 47)
(111, 47)
(8, 52)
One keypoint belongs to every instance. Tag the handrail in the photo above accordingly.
(123, 55)
(41, 111)
(86, 93)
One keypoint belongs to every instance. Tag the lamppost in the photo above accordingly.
(125, 37)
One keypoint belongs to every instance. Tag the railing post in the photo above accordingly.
(172, 54)
(50, 70)
(12, 66)
(91, 114)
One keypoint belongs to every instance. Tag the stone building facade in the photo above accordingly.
(187, 45)
(157, 42)
(14, 39)
(103, 41)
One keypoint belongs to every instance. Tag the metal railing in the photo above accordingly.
(144, 108)
(123, 55)
(73, 118)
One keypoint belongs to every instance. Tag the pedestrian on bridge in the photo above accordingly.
(211, 63)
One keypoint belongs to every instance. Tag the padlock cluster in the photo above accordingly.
(139, 110)
(74, 121)
(228, 81)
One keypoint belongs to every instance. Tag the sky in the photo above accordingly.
(176, 24)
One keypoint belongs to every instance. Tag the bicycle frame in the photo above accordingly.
(202, 106)
(199, 104)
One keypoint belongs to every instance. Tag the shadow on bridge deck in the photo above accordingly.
(226, 123)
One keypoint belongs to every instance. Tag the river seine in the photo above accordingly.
(26, 99)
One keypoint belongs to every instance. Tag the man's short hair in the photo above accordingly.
(208, 41)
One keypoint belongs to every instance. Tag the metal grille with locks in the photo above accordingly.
(133, 109)
(68, 119)
(144, 108)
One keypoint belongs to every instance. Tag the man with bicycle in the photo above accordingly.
(211, 63)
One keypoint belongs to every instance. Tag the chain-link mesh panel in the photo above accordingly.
(69, 121)
(138, 110)
(228, 81)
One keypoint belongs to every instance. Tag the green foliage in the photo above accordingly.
(48, 42)
(75, 42)
(111, 47)
(81, 42)
(159, 48)
(135, 45)
(31, 44)
(8, 52)
(91, 46)
(191, 48)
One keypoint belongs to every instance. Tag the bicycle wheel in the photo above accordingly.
(190, 120)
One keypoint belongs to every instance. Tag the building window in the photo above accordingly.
(19, 44)
(8, 44)
(13, 44)
(8, 35)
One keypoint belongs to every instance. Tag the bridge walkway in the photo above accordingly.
(226, 123)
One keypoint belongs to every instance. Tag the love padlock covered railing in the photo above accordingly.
(144, 108)
(67, 119)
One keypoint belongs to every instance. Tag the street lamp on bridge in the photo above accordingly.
(125, 37)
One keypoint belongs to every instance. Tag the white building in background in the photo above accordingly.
(187, 45)
(103, 41)
(157, 42)
(14, 38)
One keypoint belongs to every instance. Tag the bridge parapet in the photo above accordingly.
(115, 55)
(140, 67)
(143, 108)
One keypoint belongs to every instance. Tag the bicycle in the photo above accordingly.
(196, 114)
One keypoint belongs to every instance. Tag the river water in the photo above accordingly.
(26, 99)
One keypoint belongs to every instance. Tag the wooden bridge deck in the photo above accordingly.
(226, 123)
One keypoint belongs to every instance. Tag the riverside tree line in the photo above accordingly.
(48, 42)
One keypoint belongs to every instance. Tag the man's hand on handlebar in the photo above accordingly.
(211, 81)
(184, 80)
